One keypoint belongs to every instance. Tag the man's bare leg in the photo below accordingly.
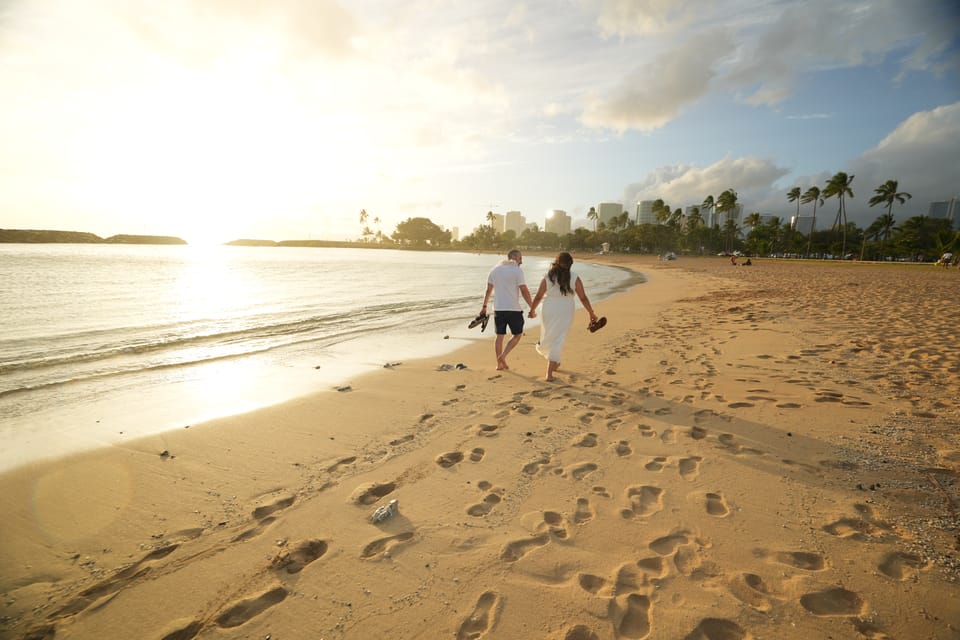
(498, 345)
(502, 357)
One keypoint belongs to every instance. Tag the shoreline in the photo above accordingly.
(81, 416)
(731, 448)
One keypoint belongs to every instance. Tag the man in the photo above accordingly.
(506, 283)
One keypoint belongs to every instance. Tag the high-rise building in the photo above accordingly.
(498, 222)
(645, 213)
(607, 211)
(557, 222)
(803, 224)
(514, 221)
(946, 209)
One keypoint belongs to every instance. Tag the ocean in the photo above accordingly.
(100, 344)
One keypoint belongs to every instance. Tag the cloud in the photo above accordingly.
(653, 94)
(915, 154)
(683, 185)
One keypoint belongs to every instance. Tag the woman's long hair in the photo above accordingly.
(560, 272)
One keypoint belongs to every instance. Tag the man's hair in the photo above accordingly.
(514, 254)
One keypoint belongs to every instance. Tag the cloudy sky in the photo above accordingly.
(220, 119)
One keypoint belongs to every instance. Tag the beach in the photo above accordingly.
(742, 452)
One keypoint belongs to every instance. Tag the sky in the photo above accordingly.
(214, 120)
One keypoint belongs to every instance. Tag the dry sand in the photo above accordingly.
(743, 452)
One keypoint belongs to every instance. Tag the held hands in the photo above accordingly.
(532, 314)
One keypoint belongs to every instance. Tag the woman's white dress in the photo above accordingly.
(556, 318)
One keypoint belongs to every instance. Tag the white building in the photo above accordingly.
(607, 211)
(557, 222)
(645, 213)
(514, 221)
(498, 222)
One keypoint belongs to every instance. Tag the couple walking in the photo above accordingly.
(557, 288)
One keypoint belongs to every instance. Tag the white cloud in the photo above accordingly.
(653, 94)
(683, 185)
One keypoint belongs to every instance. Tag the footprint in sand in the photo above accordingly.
(802, 560)
(646, 431)
(667, 545)
(750, 589)
(622, 448)
(399, 441)
(368, 494)
(668, 436)
(483, 618)
(591, 583)
(277, 505)
(448, 459)
(698, 433)
(788, 405)
(532, 468)
(117, 581)
(339, 463)
(384, 545)
(654, 567)
(483, 508)
(834, 603)
(656, 464)
(687, 559)
(580, 632)
(487, 430)
(644, 501)
(584, 513)
(635, 620)
(600, 491)
(740, 405)
(246, 610)
(580, 471)
(556, 525)
(585, 440)
(476, 454)
(293, 560)
(717, 505)
(690, 467)
(586, 418)
(515, 550)
(718, 629)
(902, 566)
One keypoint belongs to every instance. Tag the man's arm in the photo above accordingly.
(486, 297)
(526, 295)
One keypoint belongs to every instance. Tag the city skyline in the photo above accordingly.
(285, 120)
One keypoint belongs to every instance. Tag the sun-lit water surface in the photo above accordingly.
(103, 343)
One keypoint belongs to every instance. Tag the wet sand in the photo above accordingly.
(742, 452)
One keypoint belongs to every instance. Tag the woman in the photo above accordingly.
(556, 291)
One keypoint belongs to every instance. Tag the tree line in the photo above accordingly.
(689, 232)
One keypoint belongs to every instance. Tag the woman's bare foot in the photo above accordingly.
(502, 365)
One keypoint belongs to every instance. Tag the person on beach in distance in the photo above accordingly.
(556, 291)
(506, 283)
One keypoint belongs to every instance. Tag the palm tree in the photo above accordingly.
(727, 202)
(376, 221)
(839, 187)
(491, 218)
(885, 224)
(887, 194)
(794, 196)
(593, 215)
(812, 195)
(754, 220)
(363, 217)
(708, 205)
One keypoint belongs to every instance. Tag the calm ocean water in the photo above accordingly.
(104, 343)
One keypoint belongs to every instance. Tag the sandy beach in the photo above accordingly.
(742, 452)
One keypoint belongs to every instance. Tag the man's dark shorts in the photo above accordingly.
(504, 319)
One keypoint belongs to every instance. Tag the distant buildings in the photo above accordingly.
(607, 211)
(947, 209)
(803, 224)
(557, 222)
(645, 213)
(514, 221)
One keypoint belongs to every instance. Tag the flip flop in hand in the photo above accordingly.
(597, 324)
(479, 320)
